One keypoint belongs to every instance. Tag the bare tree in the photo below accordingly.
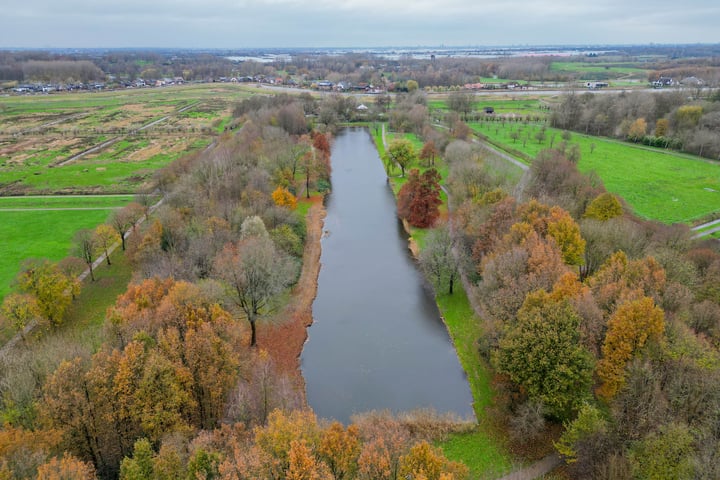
(255, 271)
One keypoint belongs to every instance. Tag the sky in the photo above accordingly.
(353, 23)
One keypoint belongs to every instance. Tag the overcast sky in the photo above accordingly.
(345, 23)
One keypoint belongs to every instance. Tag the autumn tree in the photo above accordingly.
(255, 271)
(562, 228)
(438, 260)
(19, 309)
(429, 152)
(630, 327)
(542, 353)
(283, 198)
(419, 198)
(401, 152)
(425, 461)
(604, 207)
(53, 290)
(66, 468)
(340, 448)
(662, 126)
(105, 237)
(637, 130)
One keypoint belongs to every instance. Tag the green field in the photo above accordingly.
(45, 233)
(658, 184)
(516, 105)
(597, 70)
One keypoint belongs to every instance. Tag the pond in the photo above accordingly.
(377, 341)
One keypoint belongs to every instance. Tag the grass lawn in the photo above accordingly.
(658, 184)
(87, 313)
(42, 234)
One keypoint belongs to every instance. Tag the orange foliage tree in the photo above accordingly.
(283, 198)
(419, 198)
(632, 325)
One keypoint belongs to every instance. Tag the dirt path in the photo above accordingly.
(536, 470)
(284, 336)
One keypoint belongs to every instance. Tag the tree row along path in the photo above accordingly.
(55, 209)
(10, 345)
(283, 336)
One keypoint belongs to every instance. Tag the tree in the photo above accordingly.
(566, 233)
(428, 462)
(140, 466)
(66, 468)
(419, 198)
(255, 271)
(604, 207)
(437, 259)
(401, 152)
(662, 126)
(637, 130)
(124, 219)
(340, 448)
(542, 353)
(540, 135)
(589, 421)
(411, 86)
(105, 237)
(665, 454)
(283, 198)
(86, 246)
(52, 289)
(632, 325)
(460, 102)
(429, 152)
(19, 309)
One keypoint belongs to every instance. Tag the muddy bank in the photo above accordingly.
(284, 335)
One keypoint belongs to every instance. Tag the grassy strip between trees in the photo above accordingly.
(482, 449)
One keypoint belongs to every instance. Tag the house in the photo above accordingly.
(663, 82)
(594, 85)
(361, 108)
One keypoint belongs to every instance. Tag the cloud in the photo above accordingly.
(276, 23)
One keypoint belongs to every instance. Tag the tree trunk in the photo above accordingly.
(253, 339)
(452, 281)
(122, 240)
(92, 274)
(107, 257)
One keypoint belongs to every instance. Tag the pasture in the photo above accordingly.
(658, 184)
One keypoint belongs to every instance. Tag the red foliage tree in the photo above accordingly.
(419, 198)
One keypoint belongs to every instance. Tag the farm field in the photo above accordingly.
(107, 141)
(138, 131)
(657, 184)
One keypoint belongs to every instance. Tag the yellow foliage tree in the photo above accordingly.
(604, 207)
(566, 233)
(632, 325)
(283, 198)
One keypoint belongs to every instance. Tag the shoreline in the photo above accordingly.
(283, 336)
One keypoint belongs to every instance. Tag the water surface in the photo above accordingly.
(377, 341)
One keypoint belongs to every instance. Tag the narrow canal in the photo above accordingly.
(377, 341)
